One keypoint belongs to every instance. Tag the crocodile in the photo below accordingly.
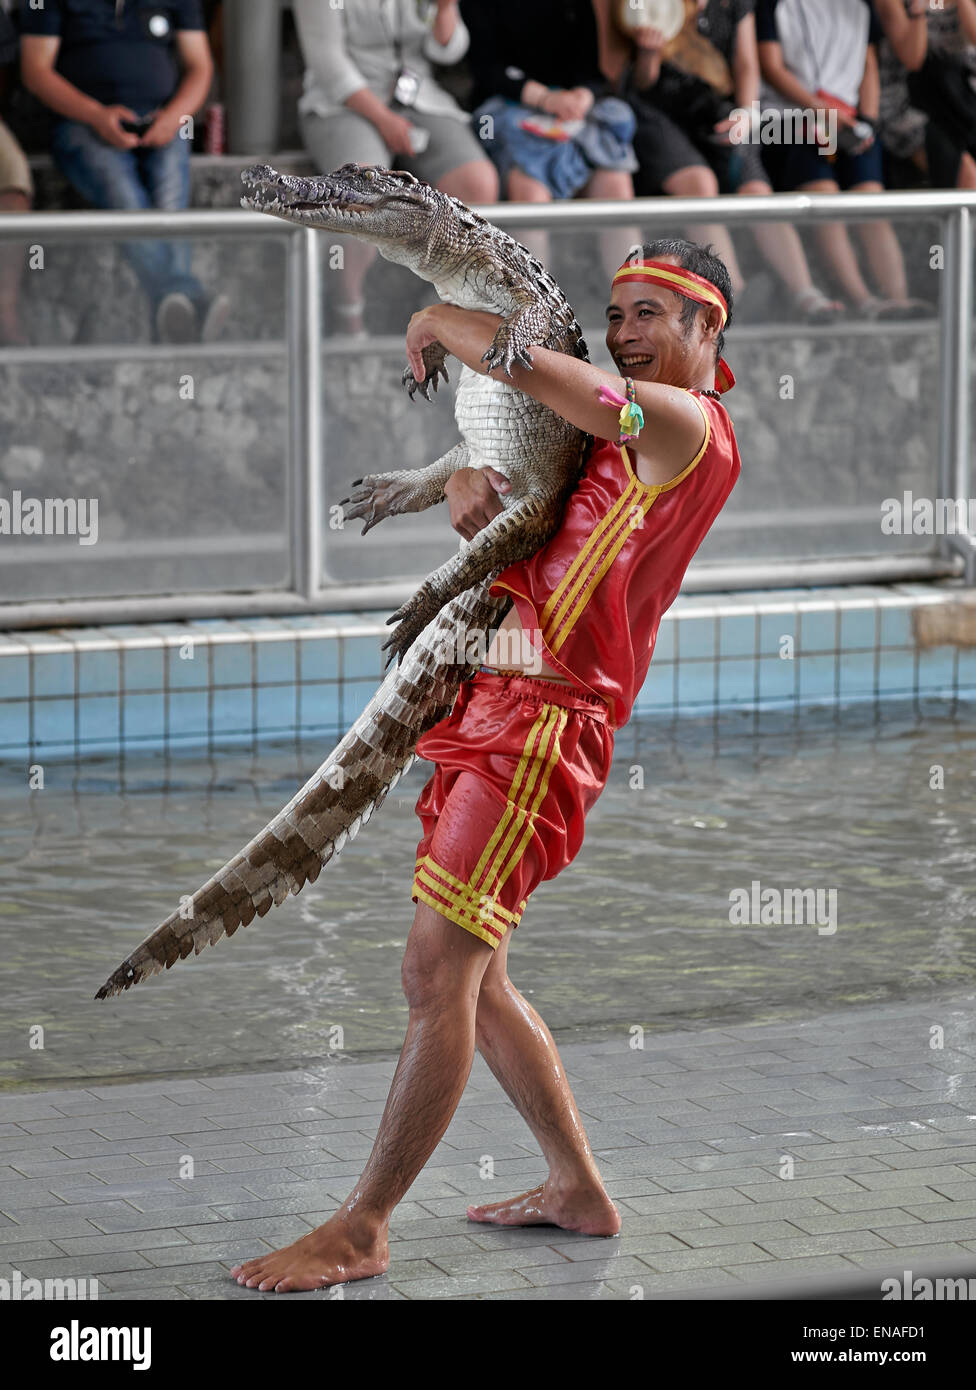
(441, 630)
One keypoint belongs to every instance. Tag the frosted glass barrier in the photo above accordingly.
(152, 467)
(834, 424)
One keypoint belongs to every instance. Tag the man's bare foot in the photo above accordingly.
(589, 1211)
(327, 1255)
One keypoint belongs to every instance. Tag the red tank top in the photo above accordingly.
(590, 601)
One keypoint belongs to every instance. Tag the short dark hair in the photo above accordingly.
(700, 260)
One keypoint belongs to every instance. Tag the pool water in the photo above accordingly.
(874, 808)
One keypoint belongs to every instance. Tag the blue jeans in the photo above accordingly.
(140, 178)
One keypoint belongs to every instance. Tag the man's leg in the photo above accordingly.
(165, 173)
(883, 251)
(523, 188)
(442, 972)
(837, 249)
(110, 178)
(699, 181)
(13, 258)
(519, 1049)
(613, 184)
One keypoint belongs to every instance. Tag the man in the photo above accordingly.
(124, 75)
(521, 758)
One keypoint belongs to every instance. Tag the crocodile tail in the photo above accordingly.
(336, 800)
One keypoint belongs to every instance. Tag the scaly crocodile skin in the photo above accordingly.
(477, 266)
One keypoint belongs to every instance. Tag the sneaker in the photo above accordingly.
(176, 319)
(214, 318)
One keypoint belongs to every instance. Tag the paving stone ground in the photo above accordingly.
(843, 1145)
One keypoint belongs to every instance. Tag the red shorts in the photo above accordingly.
(519, 762)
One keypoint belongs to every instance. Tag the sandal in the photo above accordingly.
(350, 321)
(894, 309)
(911, 309)
(814, 306)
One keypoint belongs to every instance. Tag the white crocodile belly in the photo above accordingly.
(495, 420)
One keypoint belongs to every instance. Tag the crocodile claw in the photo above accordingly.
(432, 379)
(503, 352)
(400, 641)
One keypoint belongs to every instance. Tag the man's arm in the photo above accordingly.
(193, 48)
(674, 429)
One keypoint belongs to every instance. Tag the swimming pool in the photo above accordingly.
(636, 934)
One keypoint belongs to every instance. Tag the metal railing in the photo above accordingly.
(307, 591)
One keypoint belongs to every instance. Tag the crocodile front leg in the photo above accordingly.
(514, 534)
(379, 495)
(531, 323)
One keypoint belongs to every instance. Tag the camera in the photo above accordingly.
(139, 126)
(851, 138)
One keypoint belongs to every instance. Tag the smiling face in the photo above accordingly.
(649, 342)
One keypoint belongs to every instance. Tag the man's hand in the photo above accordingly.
(108, 125)
(472, 496)
(395, 132)
(650, 40)
(165, 126)
(568, 105)
(847, 122)
(420, 334)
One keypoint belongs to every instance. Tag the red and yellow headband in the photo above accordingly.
(683, 282)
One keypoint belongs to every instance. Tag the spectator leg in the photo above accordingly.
(522, 188)
(109, 178)
(967, 172)
(837, 249)
(473, 182)
(165, 173)
(699, 181)
(613, 185)
(12, 260)
(883, 252)
(357, 258)
(332, 141)
(780, 245)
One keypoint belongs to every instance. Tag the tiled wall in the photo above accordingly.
(212, 682)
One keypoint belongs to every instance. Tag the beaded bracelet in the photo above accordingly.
(631, 415)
